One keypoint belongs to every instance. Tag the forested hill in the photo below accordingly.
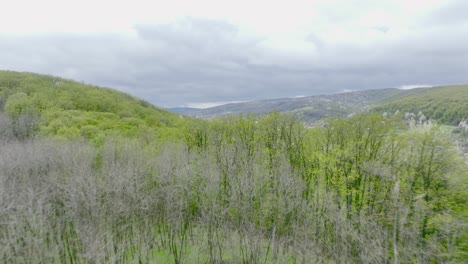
(69, 109)
(446, 104)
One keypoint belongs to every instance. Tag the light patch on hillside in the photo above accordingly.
(347, 91)
(414, 86)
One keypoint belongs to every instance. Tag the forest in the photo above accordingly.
(91, 175)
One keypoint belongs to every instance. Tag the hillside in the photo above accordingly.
(69, 109)
(447, 104)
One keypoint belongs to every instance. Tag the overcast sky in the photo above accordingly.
(205, 52)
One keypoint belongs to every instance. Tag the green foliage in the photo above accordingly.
(70, 109)
(17, 104)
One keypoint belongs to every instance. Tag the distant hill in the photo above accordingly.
(70, 109)
(183, 110)
(310, 109)
(447, 104)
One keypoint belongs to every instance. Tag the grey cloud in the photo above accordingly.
(315, 40)
(383, 29)
(197, 61)
(454, 12)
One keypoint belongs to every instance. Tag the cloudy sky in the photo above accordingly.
(205, 52)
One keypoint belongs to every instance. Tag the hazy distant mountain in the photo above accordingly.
(313, 108)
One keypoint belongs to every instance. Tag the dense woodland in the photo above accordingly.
(147, 186)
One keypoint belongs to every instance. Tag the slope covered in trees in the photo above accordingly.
(446, 104)
(70, 109)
